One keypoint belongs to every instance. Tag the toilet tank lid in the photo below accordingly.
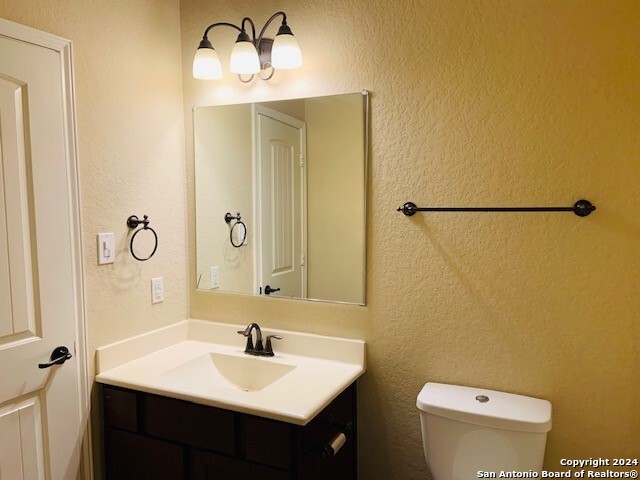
(486, 407)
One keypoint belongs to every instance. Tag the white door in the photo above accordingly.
(280, 148)
(40, 408)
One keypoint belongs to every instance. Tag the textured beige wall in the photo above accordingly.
(474, 103)
(130, 139)
(335, 197)
(223, 149)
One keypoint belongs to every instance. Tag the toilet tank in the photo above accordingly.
(466, 430)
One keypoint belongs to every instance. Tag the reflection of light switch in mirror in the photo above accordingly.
(106, 248)
(215, 279)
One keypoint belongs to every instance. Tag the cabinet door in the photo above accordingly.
(191, 424)
(120, 409)
(267, 442)
(134, 457)
(209, 466)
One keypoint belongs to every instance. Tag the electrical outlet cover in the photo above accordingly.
(215, 277)
(157, 290)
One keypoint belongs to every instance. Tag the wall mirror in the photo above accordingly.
(280, 197)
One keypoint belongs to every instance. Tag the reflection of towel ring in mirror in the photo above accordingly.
(244, 236)
(227, 218)
(133, 222)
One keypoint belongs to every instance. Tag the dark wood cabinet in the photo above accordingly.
(156, 438)
(209, 466)
(188, 423)
(134, 457)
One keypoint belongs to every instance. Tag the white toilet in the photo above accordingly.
(467, 430)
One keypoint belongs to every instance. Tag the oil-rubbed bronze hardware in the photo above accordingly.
(247, 332)
(251, 55)
(133, 222)
(227, 218)
(268, 348)
(581, 208)
(58, 357)
(268, 290)
(259, 350)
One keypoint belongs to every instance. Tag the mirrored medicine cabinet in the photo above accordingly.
(280, 197)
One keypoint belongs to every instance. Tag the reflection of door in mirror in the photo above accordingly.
(280, 147)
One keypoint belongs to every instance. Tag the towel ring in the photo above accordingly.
(227, 218)
(133, 222)
(244, 237)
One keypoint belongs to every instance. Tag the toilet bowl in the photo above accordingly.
(468, 430)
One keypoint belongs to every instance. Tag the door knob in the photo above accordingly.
(268, 290)
(58, 357)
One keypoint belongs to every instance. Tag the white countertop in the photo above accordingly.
(176, 361)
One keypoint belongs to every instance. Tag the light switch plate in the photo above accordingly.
(157, 290)
(215, 277)
(106, 248)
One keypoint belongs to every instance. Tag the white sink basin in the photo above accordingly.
(249, 374)
(204, 362)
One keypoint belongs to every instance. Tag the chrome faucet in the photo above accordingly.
(259, 349)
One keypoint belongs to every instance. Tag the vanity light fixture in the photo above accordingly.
(251, 55)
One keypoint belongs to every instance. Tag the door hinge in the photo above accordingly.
(302, 259)
(302, 159)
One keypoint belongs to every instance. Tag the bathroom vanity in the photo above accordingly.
(186, 402)
(154, 437)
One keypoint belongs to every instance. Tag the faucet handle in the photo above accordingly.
(268, 349)
(249, 339)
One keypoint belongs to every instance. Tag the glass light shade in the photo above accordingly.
(206, 64)
(244, 58)
(285, 53)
